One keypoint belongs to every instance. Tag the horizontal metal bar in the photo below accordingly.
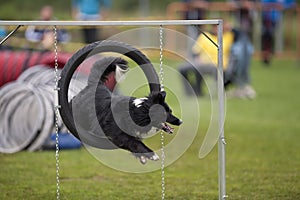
(110, 23)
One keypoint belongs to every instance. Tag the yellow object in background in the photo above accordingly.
(208, 52)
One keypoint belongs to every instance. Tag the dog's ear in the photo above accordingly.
(159, 97)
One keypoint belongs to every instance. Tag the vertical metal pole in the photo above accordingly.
(221, 143)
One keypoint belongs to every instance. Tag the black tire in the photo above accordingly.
(71, 66)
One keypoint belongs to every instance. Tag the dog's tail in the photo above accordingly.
(103, 67)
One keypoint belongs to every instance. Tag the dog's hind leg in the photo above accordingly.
(136, 146)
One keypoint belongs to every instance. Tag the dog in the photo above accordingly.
(124, 120)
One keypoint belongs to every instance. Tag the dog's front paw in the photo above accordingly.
(147, 156)
(155, 157)
(143, 159)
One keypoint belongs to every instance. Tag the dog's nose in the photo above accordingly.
(180, 121)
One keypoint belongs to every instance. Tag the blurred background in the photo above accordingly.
(284, 14)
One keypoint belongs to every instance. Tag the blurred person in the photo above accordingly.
(238, 71)
(45, 34)
(271, 18)
(237, 54)
(90, 10)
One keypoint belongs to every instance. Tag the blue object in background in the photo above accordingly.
(2, 32)
(65, 141)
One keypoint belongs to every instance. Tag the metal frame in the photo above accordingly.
(111, 23)
(221, 99)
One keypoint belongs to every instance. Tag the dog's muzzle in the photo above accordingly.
(167, 128)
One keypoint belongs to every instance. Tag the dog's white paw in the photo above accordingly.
(155, 157)
(143, 160)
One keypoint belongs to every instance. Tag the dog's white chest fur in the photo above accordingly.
(138, 102)
(151, 132)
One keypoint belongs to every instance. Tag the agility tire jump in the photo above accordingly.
(73, 63)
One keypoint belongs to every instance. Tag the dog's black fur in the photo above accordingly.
(121, 119)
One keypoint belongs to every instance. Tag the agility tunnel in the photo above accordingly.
(13, 63)
(27, 98)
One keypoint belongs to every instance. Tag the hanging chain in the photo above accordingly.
(56, 107)
(163, 189)
(161, 73)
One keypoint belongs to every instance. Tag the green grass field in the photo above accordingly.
(262, 155)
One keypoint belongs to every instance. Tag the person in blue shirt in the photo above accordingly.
(90, 10)
(270, 19)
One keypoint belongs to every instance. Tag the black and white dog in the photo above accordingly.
(122, 119)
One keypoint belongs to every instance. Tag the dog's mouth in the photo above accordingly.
(167, 128)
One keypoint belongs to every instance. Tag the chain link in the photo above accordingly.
(56, 107)
(163, 189)
(162, 139)
(161, 71)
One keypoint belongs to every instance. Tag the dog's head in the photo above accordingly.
(159, 111)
